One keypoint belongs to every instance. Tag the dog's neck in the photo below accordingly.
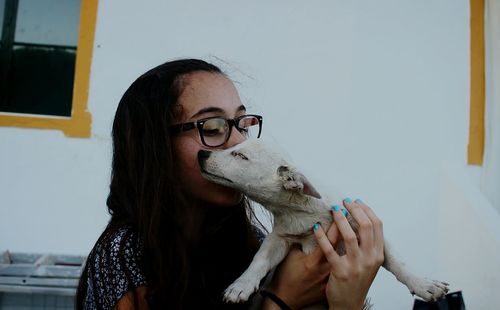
(297, 205)
(297, 218)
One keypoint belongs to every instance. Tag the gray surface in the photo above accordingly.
(21, 301)
(38, 281)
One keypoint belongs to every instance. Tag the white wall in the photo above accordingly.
(469, 234)
(490, 178)
(369, 97)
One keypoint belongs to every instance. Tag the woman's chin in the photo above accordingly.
(228, 197)
(217, 195)
(231, 200)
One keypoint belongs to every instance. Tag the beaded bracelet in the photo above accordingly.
(275, 299)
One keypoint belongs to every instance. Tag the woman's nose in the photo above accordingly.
(235, 138)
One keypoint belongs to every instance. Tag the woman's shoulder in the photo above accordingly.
(114, 266)
(119, 243)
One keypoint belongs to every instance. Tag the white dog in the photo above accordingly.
(265, 177)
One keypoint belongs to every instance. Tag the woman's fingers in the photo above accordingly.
(317, 255)
(378, 230)
(351, 274)
(325, 245)
(365, 230)
(346, 232)
(370, 243)
(333, 234)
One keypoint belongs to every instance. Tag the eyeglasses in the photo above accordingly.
(215, 131)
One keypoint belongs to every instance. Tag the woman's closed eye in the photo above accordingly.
(211, 132)
(214, 127)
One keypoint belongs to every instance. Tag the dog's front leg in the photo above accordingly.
(429, 290)
(271, 253)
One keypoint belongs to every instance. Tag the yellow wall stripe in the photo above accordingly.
(475, 148)
(79, 124)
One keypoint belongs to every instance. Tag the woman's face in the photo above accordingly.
(205, 95)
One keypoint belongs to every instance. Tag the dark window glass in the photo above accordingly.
(38, 56)
(2, 6)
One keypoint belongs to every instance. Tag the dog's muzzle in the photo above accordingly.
(202, 158)
(203, 155)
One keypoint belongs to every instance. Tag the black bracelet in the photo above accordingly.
(275, 299)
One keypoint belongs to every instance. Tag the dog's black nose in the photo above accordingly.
(203, 155)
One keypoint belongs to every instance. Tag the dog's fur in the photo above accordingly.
(265, 177)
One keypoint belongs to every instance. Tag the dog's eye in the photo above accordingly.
(238, 154)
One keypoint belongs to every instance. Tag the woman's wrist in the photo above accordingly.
(268, 304)
(273, 301)
(345, 306)
(284, 293)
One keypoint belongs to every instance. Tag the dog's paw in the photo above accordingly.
(240, 290)
(428, 290)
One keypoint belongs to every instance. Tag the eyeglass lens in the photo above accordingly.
(216, 130)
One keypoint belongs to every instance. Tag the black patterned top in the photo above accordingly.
(114, 268)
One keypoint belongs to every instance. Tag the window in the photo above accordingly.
(45, 64)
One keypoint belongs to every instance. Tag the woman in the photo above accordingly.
(176, 240)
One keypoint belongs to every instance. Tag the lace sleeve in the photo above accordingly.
(114, 268)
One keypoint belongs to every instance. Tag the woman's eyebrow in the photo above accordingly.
(207, 110)
(215, 110)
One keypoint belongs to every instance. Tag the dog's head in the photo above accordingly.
(256, 170)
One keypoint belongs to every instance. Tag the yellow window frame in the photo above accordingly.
(79, 124)
(475, 148)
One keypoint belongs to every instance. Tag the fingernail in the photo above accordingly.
(359, 200)
(316, 227)
(335, 207)
(348, 200)
(344, 211)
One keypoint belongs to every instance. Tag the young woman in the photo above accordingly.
(176, 240)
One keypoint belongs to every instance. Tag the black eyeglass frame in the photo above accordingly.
(199, 124)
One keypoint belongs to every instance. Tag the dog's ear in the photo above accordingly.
(296, 181)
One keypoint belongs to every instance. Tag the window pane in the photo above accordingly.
(2, 8)
(53, 22)
(40, 81)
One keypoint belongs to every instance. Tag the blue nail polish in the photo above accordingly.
(316, 227)
(359, 200)
(344, 211)
(348, 200)
(335, 207)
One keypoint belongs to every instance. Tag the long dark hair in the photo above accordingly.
(145, 193)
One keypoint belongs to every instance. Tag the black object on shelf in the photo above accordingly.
(452, 301)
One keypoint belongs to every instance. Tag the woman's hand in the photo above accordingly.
(352, 274)
(300, 280)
